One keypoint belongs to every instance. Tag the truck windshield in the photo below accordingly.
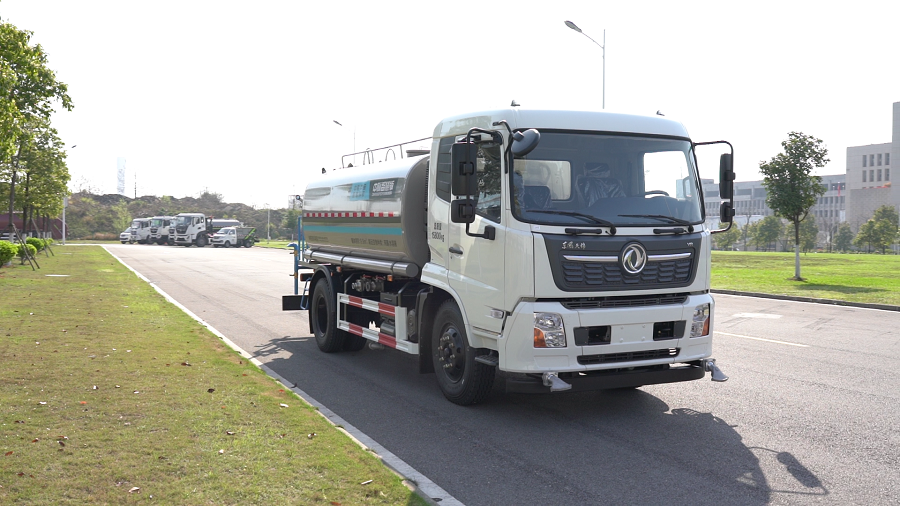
(183, 220)
(157, 222)
(623, 180)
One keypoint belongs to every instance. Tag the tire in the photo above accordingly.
(201, 241)
(226, 244)
(323, 317)
(462, 380)
(248, 243)
(123, 242)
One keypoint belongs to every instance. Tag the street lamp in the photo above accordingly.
(338, 123)
(603, 47)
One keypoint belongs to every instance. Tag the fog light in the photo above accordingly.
(549, 331)
(700, 323)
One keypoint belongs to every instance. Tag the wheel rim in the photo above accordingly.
(452, 353)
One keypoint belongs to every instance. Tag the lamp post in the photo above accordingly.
(603, 47)
(268, 215)
(338, 123)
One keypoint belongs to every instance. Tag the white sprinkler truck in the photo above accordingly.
(159, 230)
(196, 228)
(566, 250)
(140, 230)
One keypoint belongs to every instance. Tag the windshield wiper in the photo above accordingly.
(599, 221)
(661, 217)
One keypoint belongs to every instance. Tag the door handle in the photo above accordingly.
(455, 250)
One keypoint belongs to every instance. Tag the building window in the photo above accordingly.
(871, 175)
(887, 174)
(879, 174)
(872, 160)
(864, 160)
(887, 158)
(864, 176)
(879, 158)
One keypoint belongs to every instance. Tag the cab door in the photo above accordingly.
(476, 266)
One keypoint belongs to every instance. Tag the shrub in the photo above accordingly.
(31, 250)
(36, 242)
(7, 251)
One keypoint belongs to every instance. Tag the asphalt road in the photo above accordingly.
(809, 416)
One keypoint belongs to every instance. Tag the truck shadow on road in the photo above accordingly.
(607, 447)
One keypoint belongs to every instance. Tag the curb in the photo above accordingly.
(831, 302)
(429, 491)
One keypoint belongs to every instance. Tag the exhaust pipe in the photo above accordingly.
(717, 374)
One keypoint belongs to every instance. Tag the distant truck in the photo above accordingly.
(236, 237)
(197, 228)
(140, 230)
(159, 229)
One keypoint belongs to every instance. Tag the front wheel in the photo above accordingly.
(462, 380)
(226, 244)
(201, 241)
(323, 316)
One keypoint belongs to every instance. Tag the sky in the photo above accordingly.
(240, 98)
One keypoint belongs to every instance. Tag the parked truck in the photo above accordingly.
(159, 230)
(196, 228)
(140, 230)
(236, 237)
(558, 250)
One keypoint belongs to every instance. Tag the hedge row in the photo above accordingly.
(9, 250)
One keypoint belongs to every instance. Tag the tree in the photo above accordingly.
(887, 213)
(844, 237)
(726, 240)
(791, 189)
(767, 231)
(28, 90)
(809, 234)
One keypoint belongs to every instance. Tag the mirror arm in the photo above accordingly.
(508, 150)
(726, 229)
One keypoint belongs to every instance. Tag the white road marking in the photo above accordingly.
(757, 315)
(761, 339)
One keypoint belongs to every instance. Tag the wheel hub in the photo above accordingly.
(451, 353)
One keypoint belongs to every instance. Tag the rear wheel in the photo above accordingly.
(248, 243)
(462, 380)
(323, 316)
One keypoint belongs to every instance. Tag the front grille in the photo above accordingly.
(631, 356)
(634, 301)
(609, 274)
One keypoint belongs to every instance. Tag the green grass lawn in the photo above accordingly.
(855, 278)
(109, 394)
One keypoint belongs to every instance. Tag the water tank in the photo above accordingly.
(369, 216)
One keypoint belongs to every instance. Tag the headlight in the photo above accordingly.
(700, 323)
(549, 331)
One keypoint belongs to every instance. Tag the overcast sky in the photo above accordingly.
(240, 97)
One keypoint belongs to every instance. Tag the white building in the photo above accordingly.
(869, 176)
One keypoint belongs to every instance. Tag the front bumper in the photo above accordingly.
(631, 346)
(611, 379)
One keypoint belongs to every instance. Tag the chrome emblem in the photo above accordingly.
(634, 258)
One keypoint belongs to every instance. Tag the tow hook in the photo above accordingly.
(709, 364)
(552, 380)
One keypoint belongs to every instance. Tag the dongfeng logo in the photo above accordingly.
(634, 258)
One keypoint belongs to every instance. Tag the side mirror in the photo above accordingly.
(462, 211)
(463, 157)
(726, 177)
(726, 213)
(525, 142)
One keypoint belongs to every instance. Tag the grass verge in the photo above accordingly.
(109, 394)
(855, 278)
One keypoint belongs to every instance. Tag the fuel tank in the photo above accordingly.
(374, 211)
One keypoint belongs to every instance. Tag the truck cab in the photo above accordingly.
(140, 230)
(159, 229)
(565, 250)
(190, 229)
